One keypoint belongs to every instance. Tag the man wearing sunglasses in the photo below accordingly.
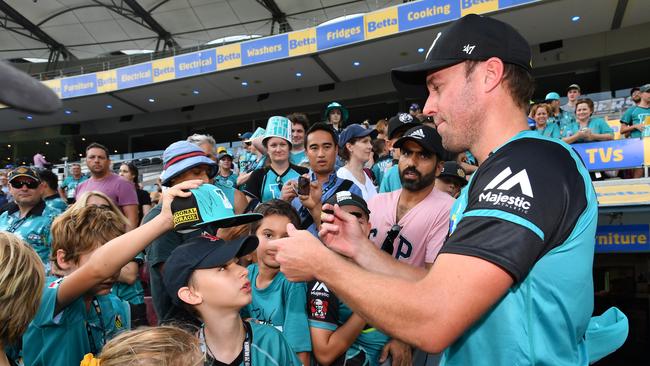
(28, 217)
(411, 223)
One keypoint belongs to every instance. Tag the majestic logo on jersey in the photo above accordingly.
(505, 181)
(319, 286)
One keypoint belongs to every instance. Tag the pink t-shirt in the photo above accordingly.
(424, 227)
(115, 187)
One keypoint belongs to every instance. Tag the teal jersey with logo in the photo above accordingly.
(299, 158)
(56, 204)
(268, 348)
(229, 181)
(543, 235)
(133, 294)
(596, 125)
(391, 181)
(34, 228)
(70, 185)
(327, 311)
(562, 120)
(551, 130)
(63, 339)
(283, 305)
(266, 184)
(634, 116)
(380, 167)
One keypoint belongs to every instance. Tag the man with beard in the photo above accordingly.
(411, 223)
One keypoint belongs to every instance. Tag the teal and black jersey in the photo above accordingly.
(33, 228)
(281, 304)
(327, 312)
(531, 209)
(380, 167)
(266, 184)
(634, 116)
(268, 347)
(63, 339)
(133, 293)
(229, 181)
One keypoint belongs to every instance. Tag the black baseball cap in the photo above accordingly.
(472, 37)
(208, 205)
(21, 91)
(452, 170)
(400, 123)
(202, 252)
(347, 198)
(427, 137)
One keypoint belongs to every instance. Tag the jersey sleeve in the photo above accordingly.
(296, 326)
(255, 183)
(524, 201)
(322, 307)
(626, 119)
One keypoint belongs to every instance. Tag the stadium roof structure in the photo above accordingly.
(85, 29)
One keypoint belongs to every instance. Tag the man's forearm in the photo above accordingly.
(375, 260)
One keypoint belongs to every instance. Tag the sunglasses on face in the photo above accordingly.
(32, 184)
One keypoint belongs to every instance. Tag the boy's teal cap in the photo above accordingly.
(208, 204)
(202, 252)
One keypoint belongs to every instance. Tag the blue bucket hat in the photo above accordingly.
(335, 105)
(182, 156)
(208, 205)
(353, 131)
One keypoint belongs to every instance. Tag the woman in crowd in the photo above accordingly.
(355, 148)
(266, 183)
(128, 286)
(540, 113)
(130, 172)
(587, 128)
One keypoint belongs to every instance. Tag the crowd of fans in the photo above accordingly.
(395, 178)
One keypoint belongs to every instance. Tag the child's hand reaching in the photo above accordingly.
(179, 190)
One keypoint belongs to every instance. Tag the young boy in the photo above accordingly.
(339, 336)
(76, 315)
(276, 300)
(208, 281)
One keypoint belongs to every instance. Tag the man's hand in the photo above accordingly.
(640, 127)
(299, 254)
(312, 200)
(400, 353)
(288, 192)
(341, 232)
(168, 195)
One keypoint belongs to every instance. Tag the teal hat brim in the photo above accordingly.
(231, 221)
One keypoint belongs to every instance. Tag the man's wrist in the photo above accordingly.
(364, 254)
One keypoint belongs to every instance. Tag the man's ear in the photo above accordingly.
(493, 70)
(439, 167)
(189, 296)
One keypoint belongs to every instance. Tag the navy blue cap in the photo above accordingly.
(245, 135)
(202, 252)
(353, 131)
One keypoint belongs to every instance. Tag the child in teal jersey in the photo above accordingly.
(276, 300)
(77, 315)
(208, 281)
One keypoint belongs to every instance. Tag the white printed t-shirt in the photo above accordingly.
(424, 227)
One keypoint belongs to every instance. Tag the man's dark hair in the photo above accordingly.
(96, 145)
(49, 178)
(276, 207)
(518, 81)
(320, 126)
(301, 118)
(634, 89)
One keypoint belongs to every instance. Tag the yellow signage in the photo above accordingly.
(106, 81)
(381, 23)
(623, 194)
(478, 6)
(163, 69)
(54, 85)
(302, 42)
(228, 56)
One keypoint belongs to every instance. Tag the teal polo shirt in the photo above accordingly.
(391, 181)
(634, 116)
(596, 125)
(551, 130)
(63, 339)
(34, 228)
(543, 235)
(282, 305)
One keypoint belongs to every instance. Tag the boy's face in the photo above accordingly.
(225, 287)
(271, 228)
